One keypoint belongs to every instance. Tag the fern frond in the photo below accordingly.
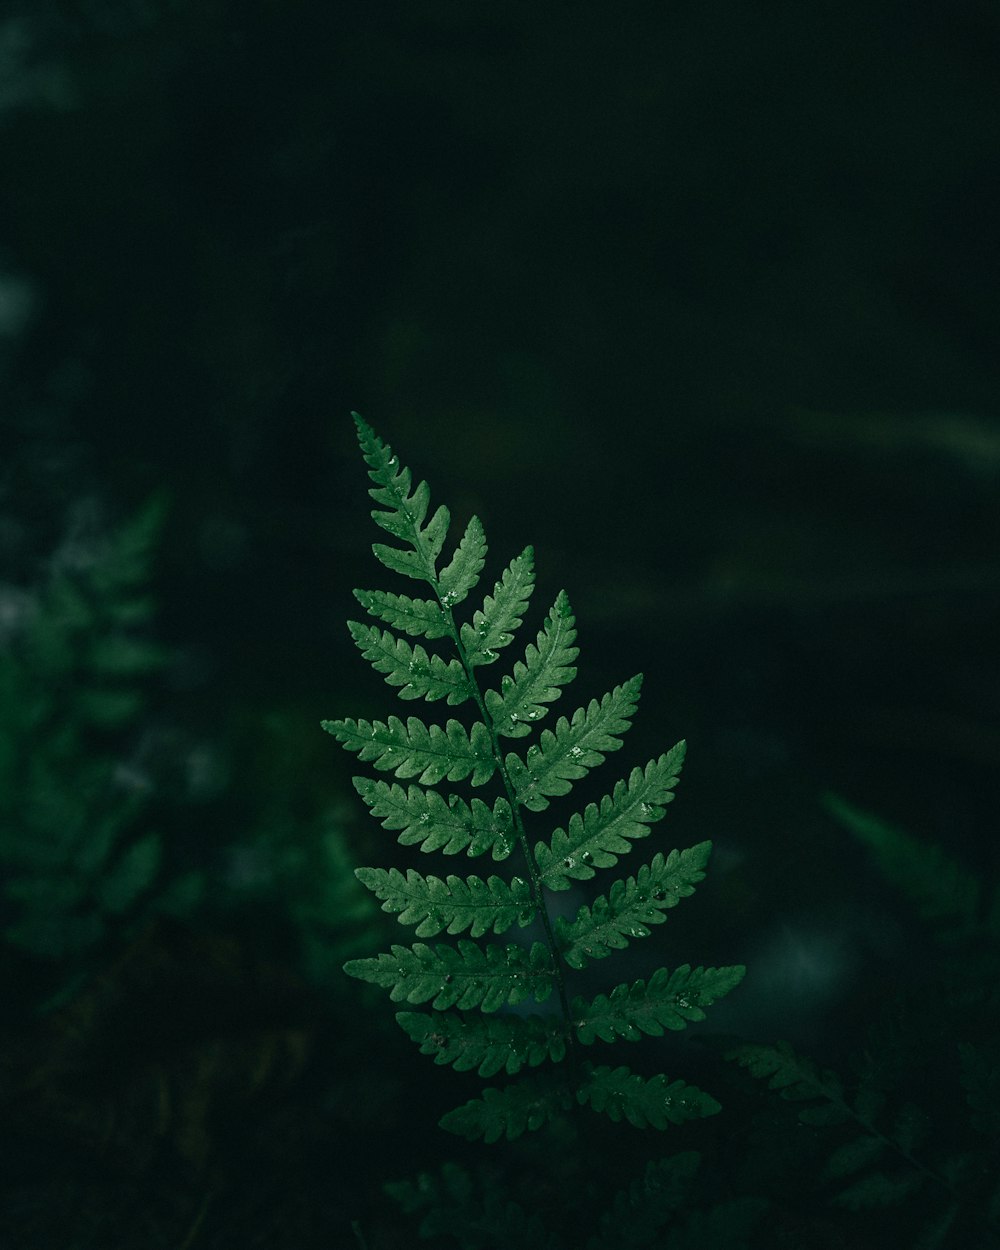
(536, 681)
(453, 905)
(418, 674)
(76, 867)
(490, 976)
(796, 1079)
(566, 755)
(434, 824)
(939, 887)
(671, 1000)
(646, 1103)
(521, 1107)
(415, 617)
(502, 612)
(428, 753)
(406, 510)
(598, 837)
(464, 976)
(489, 1044)
(631, 905)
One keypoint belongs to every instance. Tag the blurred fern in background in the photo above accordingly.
(77, 862)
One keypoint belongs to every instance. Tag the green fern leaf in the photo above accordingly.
(429, 821)
(489, 1044)
(414, 749)
(406, 513)
(76, 868)
(518, 1108)
(418, 674)
(546, 667)
(598, 837)
(566, 755)
(453, 905)
(502, 612)
(464, 976)
(492, 976)
(940, 888)
(795, 1078)
(671, 1000)
(631, 906)
(423, 617)
(653, 1103)
(462, 574)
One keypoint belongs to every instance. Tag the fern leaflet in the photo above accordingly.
(453, 905)
(671, 1000)
(600, 835)
(463, 976)
(489, 1044)
(631, 906)
(429, 821)
(656, 1102)
(413, 749)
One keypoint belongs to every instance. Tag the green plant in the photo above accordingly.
(909, 1138)
(469, 985)
(76, 864)
(478, 1212)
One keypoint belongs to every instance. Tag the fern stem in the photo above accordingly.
(558, 965)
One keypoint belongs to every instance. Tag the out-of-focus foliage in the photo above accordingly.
(907, 1141)
(76, 857)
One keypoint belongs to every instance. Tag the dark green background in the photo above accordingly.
(699, 299)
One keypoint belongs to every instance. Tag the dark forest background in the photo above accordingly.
(699, 299)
